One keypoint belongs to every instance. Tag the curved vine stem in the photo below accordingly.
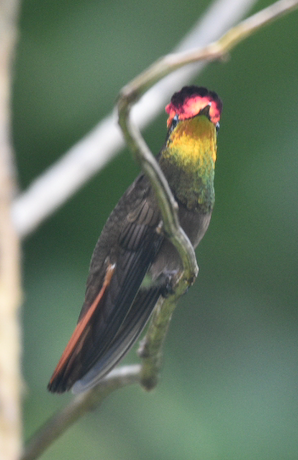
(151, 346)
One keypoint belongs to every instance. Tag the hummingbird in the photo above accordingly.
(133, 263)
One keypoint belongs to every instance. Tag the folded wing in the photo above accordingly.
(114, 314)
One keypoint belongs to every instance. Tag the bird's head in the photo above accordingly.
(192, 101)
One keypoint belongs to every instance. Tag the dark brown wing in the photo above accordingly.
(127, 246)
(126, 337)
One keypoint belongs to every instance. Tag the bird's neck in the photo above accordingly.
(188, 161)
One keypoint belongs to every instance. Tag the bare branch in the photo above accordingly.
(59, 423)
(168, 64)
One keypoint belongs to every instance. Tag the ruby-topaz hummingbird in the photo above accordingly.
(132, 247)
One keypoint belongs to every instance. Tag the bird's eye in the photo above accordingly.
(217, 126)
(174, 122)
(172, 126)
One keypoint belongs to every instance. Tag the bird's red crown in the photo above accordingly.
(188, 103)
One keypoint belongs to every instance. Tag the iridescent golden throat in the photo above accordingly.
(188, 161)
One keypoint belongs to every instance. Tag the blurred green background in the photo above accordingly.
(229, 385)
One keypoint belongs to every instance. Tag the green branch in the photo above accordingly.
(151, 346)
